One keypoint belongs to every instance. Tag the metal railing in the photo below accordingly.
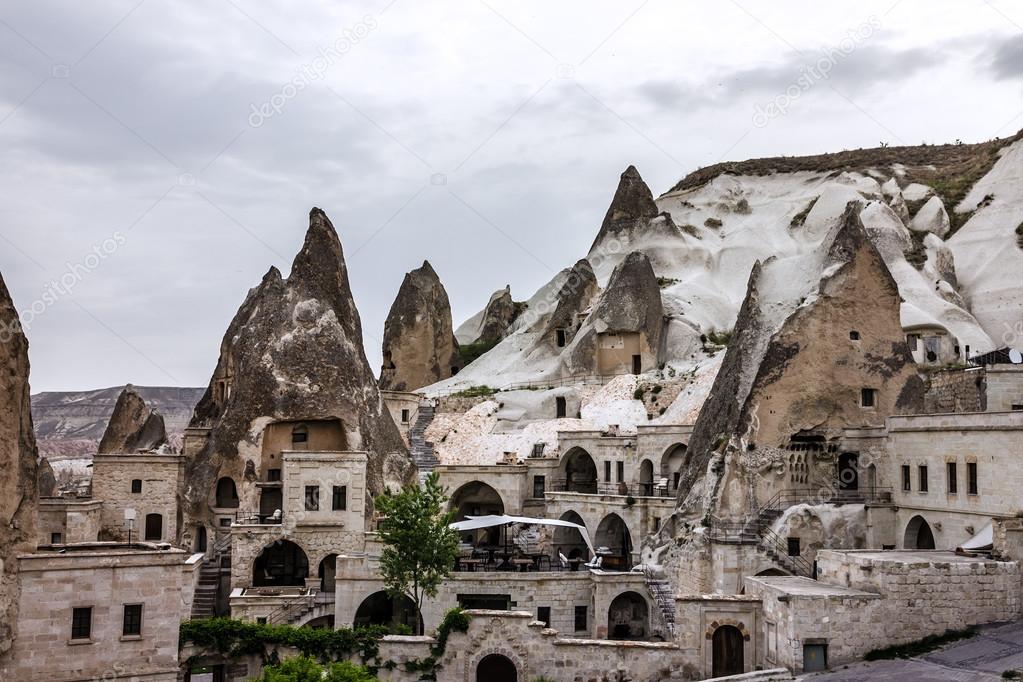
(541, 385)
(594, 487)
(291, 609)
(257, 519)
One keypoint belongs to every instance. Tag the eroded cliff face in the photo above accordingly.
(795, 375)
(293, 353)
(419, 346)
(630, 211)
(18, 468)
(133, 426)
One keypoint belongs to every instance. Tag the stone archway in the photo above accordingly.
(673, 461)
(628, 617)
(580, 472)
(477, 498)
(569, 541)
(380, 608)
(496, 668)
(646, 477)
(226, 493)
(728, 647)
(613, 533)
(326, 572)
(918, 534)
(282, 563)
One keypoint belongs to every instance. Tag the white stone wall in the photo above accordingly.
(105, 579)
(1004, 387)
(111, 484)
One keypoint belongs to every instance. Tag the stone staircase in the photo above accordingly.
(663, 594)
(422, 449)
(204, 602)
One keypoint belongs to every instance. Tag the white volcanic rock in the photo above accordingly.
(932, 218)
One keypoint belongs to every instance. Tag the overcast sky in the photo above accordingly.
(156, 157)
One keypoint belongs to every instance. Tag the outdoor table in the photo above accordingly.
(471, 564)
(522, 564)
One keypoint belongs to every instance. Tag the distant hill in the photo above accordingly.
(69, 425)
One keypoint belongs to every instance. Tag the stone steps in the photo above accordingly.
(422, 449)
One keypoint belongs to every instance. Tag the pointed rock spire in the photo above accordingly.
(133, 426)
(293, 352)
(18, 463)
(419, 344)
(631, 208)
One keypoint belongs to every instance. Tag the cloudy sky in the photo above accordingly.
(156, 157)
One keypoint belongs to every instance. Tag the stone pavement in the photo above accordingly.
(984, 657)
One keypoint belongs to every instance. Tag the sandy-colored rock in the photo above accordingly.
(497, 318)
(419, 346)
(133, 427)
(630, 211)
(18, 463)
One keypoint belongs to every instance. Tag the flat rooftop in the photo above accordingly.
(912, 556)
(798, 586)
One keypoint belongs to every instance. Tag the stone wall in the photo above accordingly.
(161, 479)
(955, 391)
(105, 578)
(75, 520)
(699, 616)
(1004, 387)
(459, 404)
(318, 542)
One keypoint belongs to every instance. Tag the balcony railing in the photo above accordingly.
(593, 487)
(252, 518)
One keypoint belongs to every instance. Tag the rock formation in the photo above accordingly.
(573, 298)
(419, 344)
(497, 317)
(133, 427)
(631, 303)
(631, 209)
(799, 360)
(932, 218)
(18, 494)
(46, 479)
(294, 351)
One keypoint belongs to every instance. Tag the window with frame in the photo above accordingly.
(907, 478)
(952, 477)
(273, 475)
(913, 340)
(581, 621)
(543, 614)
(621, 471)
(560, 407)
(539, 487)
(55, 538)
(922, 475)
(868, 397)
(793, 546)
(971, 478)
(136, 486)
(131, 622)
(312, 498)
(404, 416)
(339, 498)
(81, 622)
(607, 472)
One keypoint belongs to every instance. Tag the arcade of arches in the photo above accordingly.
(580, 472)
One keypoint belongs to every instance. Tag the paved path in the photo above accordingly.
(984, 657)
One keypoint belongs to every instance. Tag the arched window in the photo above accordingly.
(627, 617)
(227, 493)
(281, 564)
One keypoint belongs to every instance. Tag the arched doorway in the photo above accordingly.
(672, 462)
(227, 494)
(326, 572)
(496, 668)
(627, 617)
(478, 499)
(580, 472)
(281, 564)
(569, 541)
(646, 477)
(380, 609)
(154, 527)
(200, 539)
(918, 534)
(728, 655)
(614, 536)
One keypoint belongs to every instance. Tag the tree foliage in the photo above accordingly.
(419, 548)
(305, 669)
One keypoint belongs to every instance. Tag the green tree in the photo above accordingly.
(306, 669)
(419, 548)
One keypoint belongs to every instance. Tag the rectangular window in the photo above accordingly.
(404, 416)
(922, 475)
(339, 501)
(560, 407)
(913, 340)
(312, 498)
(538, 449)
(953, 479)
(55, 538)
(581, 622)
(543, 614)
(621, 471)
(971, 478)
(539, 487)
(868, 396)
(793, 546)
(607, 472)
(907, 478)
(136, 486)
(854, 335)
(81, 622)
(273, 475)
(131, 623)
(560, 336)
